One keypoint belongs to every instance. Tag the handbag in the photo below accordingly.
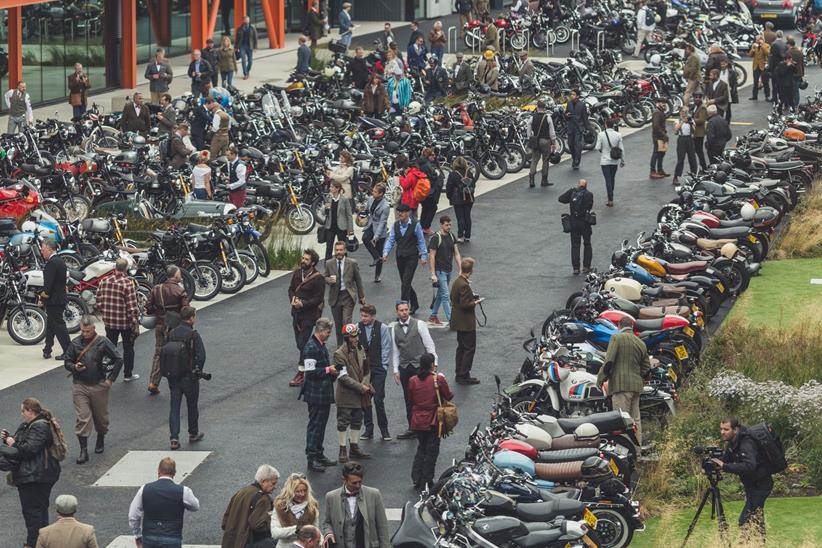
(447, 414)
(322, 235)
(616, 151)
(662, 145)
(533, 140)
(591, 218)
(566, 223)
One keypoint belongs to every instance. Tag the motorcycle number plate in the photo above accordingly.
(613, 466)
(681, 352)
(590, 518)
(671, 374)
(700, 322)
(752, 239)
(688, 331)
(755, 204)
(720, 287)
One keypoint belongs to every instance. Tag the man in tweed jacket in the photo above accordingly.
(318, 393)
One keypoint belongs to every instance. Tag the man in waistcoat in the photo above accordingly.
(411, 339)
(236, 177)
(406, 235)
(354, 514)
(18, 103)
(219, 126)
(375, 338)
(156, 513)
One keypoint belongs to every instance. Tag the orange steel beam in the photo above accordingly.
(19, 3)
(15, 20)
(274, 13)
(212, 18)
(239, 14)
(128, 43)
(199, 23)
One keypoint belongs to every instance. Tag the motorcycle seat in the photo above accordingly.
(649, 325)
(661, 290)
(558, 471)
(785, 166)
(609, 421)
(115, 190)
(375, 122)
(76, 274)
(684, 268)
(546, 511)
(664, 302)
(567, 455)
(560, 493)
(766, 183)
(732, 232)
(193, 227)
(569, 441)
(704, 243)
(652, 312)
(37, 170)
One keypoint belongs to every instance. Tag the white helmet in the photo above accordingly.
(586, 431)
(28, 226)
(747, 211)
(656, 59)
(657, 18)
(414, 108)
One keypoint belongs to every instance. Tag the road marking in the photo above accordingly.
(742, 123)
(127, 541)
(137, 468)
(816, 281)
(393, 514)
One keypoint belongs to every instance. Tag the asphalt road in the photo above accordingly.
(251, 416)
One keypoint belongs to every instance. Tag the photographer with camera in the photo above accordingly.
(744, 457)
(181, 361)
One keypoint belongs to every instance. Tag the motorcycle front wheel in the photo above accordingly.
(207, 280)
(634, 117)
(741, 74)
(563, 34)
(26, 325)
(76, 308)
(77, 208)
(492, 166)
(233, 277)
(519, 41)
(514, 158)
(261, 254)
(300, 219)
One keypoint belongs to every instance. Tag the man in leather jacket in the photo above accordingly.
(94, 364)
(742, 458)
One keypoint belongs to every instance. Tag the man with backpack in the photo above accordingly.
(645, 24)
(754, 454)
(165, 301)
(181, 361)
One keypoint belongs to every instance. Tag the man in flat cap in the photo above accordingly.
(67, 532)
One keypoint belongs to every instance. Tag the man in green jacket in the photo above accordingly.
(626, 364)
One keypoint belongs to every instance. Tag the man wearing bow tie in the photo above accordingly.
(354, 514)
(411, 339)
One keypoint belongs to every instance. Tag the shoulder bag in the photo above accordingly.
(82, 353)
(616, 151)
(566, 223)
(533, 140)
(305, 281)
(447, 414)
(591, 218)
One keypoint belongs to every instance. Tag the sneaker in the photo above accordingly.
(197, 437)
(175, 445)
(386, 436)
(297, 380)
(133, 377)
(407, 435)
(460, 240)
(377, 280)
(434, 321)
(367, 435)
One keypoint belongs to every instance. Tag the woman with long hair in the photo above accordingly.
(422, 395)
(227, 61)
(343, 173)
(35, 469)
(460, 191)
(294, 507)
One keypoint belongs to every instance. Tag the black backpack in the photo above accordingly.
(177, 357)
(165, 149)
(650, 17)
(771, 452)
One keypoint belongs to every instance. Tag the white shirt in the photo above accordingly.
(685, 129)
(640, 19)
(27, 98)
(135, 511)
(240, 175)
(427, 342)
(198, 175)
(605, 149)
(723, 76)
(215, 122)
(352, 504)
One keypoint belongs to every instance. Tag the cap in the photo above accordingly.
(460, 55)
(66, 505)
(402, 208)
(488, 54)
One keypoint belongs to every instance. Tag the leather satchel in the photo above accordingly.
(447, 413)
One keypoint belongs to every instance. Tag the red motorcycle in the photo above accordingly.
(513, 33)
(18, 200)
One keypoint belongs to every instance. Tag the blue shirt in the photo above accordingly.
(392, 239)
(385, 342)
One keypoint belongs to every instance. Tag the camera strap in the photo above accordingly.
(484, 321)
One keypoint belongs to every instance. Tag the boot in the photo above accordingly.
(357, 454)
(343, 458)
(100, 446)
(531, 181)
(83, 457)
(297, 380)
(545, 182)
(315, 466)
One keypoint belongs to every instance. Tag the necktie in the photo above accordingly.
(340, 274)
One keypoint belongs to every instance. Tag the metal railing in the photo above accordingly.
(574, 36)
(448, 42)
(600, 40)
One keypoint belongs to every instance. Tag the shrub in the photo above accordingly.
(803, 235)
(284, 248)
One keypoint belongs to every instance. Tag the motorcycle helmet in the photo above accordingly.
(139, 141)
(555, 158)
(596, 469)
(657, 18)
(656, 59)
(726, 167)
(803, 84)
(586, 431)
(686, 199)
(362, 219)
(747, 211)
(352, 244)
(720, 177)
(684, 237)
(729, 250)
(619, 259)
(414, 108)
(572, 333)
(392, 147)
(351, 330)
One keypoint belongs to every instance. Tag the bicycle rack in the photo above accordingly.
(574, 36)
(456, 42)
(549, 47)
(600, 39)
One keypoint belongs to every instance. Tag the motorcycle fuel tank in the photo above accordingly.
(625, 288)
(514, 461)
(519, 447)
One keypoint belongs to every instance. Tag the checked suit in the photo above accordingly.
(318, 392)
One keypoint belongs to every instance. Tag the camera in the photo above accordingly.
(4, 434)
(435, 284)
(199, 374)
(709, 452)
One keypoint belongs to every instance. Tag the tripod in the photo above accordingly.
(716, 507)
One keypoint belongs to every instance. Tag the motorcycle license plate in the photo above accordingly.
(672, 375)
(720, 287)
(613, 466)
(688, 331)
(589, 517)
(700, 322)
(752, 239)
(755, 204)
(768, 15)
(681, 352)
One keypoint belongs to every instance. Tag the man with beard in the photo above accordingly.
(306, 294)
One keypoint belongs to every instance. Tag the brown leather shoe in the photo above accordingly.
(297, 380)
(356, 453)
(343, 457)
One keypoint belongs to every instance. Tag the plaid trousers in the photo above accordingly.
(315, 432)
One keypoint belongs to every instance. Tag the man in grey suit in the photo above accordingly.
(342, 274)
(354, 514)
(159, 75)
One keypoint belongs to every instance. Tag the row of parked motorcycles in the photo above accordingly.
(556, 465)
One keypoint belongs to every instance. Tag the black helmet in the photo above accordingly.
(352, 244)
(726, 167)
(686, 199)
(619, 259)
(720, 177)
(555, 157)
(803, 84)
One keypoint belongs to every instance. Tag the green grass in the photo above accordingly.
(782, 295)
(789, 521)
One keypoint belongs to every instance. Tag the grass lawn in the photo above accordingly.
(789, 521)
(782, 294)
